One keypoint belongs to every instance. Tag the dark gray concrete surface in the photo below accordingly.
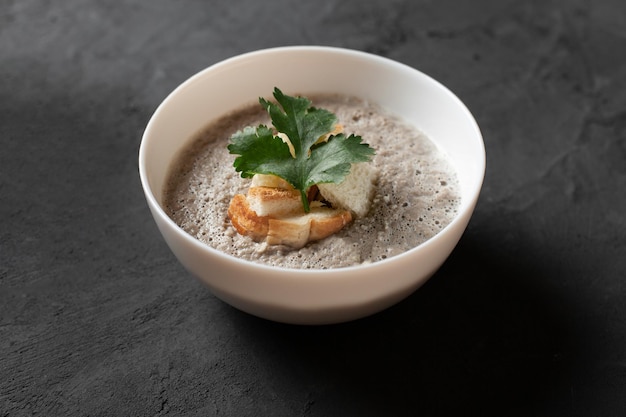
(527, 317)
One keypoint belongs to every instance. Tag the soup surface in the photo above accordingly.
(417, 192)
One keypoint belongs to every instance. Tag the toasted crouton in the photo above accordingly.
(265, 180)
(355, 192)
(275, 202)
(297, 231)
(325, 222)
(291, 231)
(245, 220)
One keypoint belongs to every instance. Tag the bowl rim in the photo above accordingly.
(467, 206)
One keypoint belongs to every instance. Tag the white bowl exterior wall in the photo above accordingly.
(312, 296)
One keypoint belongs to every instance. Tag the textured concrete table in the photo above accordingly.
(527, 317)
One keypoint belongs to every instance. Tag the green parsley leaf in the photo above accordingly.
(261, 152)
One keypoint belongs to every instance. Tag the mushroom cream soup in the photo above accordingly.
(417, 191)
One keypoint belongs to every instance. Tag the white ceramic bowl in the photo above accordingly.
(312, 296)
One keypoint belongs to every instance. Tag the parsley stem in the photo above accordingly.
(305, 201)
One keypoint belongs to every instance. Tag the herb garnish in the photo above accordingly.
(314, 162)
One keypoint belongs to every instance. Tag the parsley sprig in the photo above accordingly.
(315, 162)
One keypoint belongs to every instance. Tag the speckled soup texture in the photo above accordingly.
(417, 191)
